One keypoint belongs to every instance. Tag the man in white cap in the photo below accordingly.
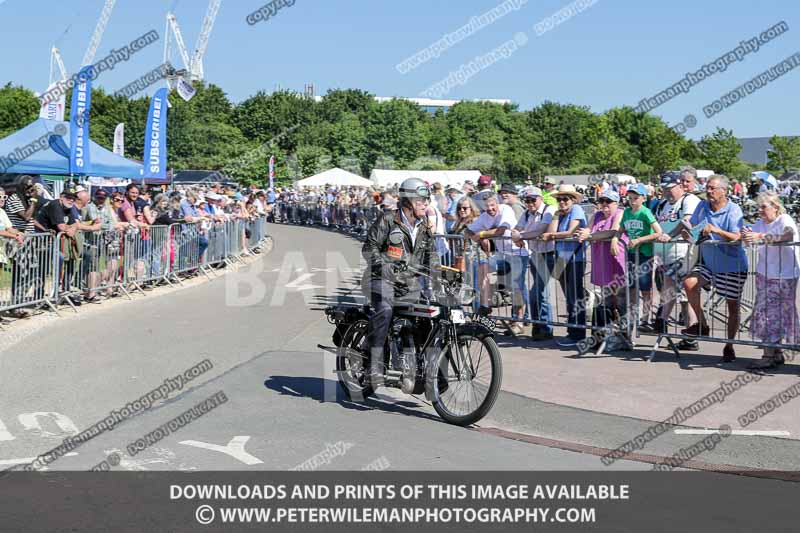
(671, 258)
(531, 225)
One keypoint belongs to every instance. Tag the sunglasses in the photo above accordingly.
(563, 200)
(605, 201)
(529, 200)
(464, 208)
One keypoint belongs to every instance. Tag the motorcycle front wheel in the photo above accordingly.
(467, 379)
(351, 362)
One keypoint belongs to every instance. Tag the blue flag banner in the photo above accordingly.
(79, 155)
(155, 137)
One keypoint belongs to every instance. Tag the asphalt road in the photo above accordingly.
(260, 327)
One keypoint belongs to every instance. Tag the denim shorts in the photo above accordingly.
(644, 272)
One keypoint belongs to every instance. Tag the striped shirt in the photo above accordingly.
(14, 208)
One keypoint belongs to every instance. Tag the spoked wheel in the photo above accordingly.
(351, 362)
(467, 380)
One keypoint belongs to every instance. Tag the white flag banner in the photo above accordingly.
(53, 110)
(119, 140)
(185, 89)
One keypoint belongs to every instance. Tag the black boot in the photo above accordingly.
(376, 375)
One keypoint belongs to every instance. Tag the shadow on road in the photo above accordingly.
(329, 391)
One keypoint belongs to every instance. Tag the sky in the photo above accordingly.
(604, 54)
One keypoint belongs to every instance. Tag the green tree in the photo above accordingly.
(394, 129)
(557, 126)
(720, 152)
(785, 154)
(312, 160)
(280, 116)
(18, 108)
(602, 150)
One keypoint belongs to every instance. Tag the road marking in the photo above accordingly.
(692, 464)
(31, 422)
(5, 434)
(235, 448)
(301, 279)
(739, 432)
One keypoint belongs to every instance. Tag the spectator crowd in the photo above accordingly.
(619, 253)
(93, 225)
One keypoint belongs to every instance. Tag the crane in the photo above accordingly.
(99, 30)
(193, 64)
(202, 39)
(56, 62)
(172, 24)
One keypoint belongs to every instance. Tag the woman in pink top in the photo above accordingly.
(608, 269)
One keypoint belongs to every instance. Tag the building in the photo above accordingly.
(431, 105)
(754, 150)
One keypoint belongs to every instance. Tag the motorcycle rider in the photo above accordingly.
(399, 250)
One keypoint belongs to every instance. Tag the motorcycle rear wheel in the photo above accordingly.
(351, 363)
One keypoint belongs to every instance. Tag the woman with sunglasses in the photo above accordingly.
(466, 212)
(608, 256)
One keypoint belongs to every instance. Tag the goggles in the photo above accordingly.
(423, 191)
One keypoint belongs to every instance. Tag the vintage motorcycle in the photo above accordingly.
(432, 347)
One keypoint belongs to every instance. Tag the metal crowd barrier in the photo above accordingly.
(355, 219)
(547, 289)
(90, 264)
(187, 240)
(767, 302)
(51, 269)
(615, 308)
(27, 278)
(215, 253)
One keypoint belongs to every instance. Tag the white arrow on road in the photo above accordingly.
(296, 284)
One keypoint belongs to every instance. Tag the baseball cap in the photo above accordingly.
(610, 194)
(532, 192)
(484, 180)
(638, 188)
(509, 187)
(70, 192)
(670, 179)
(549, 181)
(100, 193)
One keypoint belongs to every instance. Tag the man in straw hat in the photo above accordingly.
(571, 259)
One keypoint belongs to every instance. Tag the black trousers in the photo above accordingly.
(383, 298)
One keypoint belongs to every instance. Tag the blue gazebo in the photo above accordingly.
(42, 147)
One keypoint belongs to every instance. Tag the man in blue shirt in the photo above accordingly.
(723, 265)
(451, 214)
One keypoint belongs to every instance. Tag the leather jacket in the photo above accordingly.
(391, 257)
